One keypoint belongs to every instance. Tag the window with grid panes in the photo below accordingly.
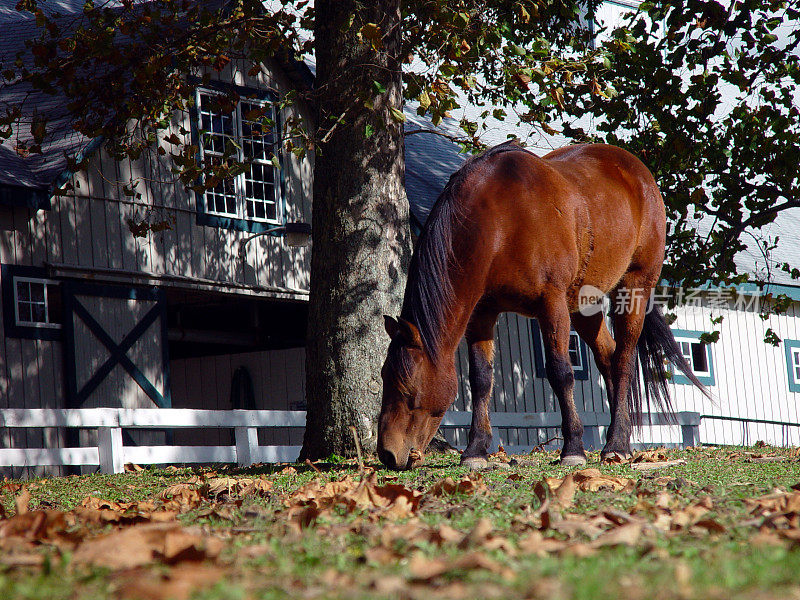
(255, 194)
(695, 354)
(576, 350)
(37, 302)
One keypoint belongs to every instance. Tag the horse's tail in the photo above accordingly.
(656, 343)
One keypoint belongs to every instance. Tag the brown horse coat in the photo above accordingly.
(513, 232)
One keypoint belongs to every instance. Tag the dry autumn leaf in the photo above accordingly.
(46, 526)
(624, 535)
(653, 455)
(470, 483)
(177, 583)
(182, 496)
(592, 480)
(22, 501)
(237, 488)
(142, 544)
(423, 568)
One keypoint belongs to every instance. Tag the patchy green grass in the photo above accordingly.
(737, 551)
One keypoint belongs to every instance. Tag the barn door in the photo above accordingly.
(115, 346)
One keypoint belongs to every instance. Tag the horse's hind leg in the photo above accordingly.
(594, 331)
(480, 341)
(554, 322)
(630, 307)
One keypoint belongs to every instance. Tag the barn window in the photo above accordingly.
(578, 354)
(37, 302)
(575, 351)
(31, 303)
(792, 348)
(244, 131)
(697, 354)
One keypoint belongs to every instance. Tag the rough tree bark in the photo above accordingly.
(361, 237)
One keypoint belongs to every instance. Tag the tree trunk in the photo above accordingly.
(361, 236)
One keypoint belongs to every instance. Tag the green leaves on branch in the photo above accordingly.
(510, 55)
(706, 95)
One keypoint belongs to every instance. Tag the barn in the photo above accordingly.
(155, 296)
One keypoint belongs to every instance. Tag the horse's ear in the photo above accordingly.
(390, 325)
(410, 333)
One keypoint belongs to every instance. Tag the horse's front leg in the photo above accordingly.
(554, 323)
(481, 378)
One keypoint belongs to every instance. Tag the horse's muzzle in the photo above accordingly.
(388, 458)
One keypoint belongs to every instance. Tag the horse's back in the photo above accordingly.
(583, 214)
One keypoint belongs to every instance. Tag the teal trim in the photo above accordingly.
(791, 291)
(12, 195)
(794, 383)
(679, 378)
(203, 218)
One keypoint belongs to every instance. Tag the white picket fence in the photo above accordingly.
(111, 455)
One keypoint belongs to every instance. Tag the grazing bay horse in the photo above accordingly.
(513, 232)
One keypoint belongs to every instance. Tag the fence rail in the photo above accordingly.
(111, 455)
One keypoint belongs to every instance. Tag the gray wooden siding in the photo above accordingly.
(87, 230)
(30, 370)
(517, 388)
(86, 235)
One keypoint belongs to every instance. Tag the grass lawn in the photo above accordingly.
(700, 523)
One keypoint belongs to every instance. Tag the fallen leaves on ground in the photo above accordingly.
(653, 455)
(153, 556)
(500, 456)
(391, 500)
(190, 494)
(423, 568)
(778, 513)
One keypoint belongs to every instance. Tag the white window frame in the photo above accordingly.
(240, 180)
(689, 358)
(47, 323)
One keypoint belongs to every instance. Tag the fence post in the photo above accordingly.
(109, 448)
(690, 430)
(246, 444)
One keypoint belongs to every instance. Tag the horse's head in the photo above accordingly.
(416, 393)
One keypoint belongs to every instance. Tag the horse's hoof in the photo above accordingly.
(475, 463)
(615, 458)
(573, 460)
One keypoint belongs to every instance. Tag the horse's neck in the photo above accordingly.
(466, 281)
(467, 291)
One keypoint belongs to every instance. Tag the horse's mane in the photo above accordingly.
(429, 292)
